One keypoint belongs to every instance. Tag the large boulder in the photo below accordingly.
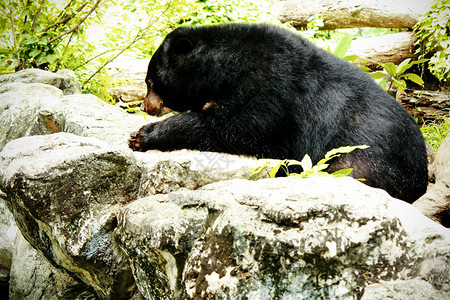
(76, 166)
(65, 192)
(284, 238)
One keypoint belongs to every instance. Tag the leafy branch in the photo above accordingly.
(67, 18)
(41, 5)
(94, 7)
(396, 74)
(139, 36)
(306, 164)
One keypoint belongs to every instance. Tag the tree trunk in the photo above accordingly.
(354, 13)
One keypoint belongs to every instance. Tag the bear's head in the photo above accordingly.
(195, 66)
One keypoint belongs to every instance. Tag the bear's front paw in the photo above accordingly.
(135, 142)
(143, 139)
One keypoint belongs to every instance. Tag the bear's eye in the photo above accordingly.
(183, 46)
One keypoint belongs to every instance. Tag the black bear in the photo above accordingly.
(265, 91)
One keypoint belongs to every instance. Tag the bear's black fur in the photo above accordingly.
(265, 91)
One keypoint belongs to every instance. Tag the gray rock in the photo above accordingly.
(435, 204)
(49, 165)
(33, 277)
(64, 191)
(36, 109)
(65, 80)
(282, 239)
(164, 172)
(414, 289)
(8, 231)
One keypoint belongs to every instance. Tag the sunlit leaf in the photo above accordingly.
(378, 75)
(403, 66)
(342, 172)
(351, 58)
(414, 78)
(344, 149)
(400, 84)
(390, 68)
(343, 46)
(306, 163)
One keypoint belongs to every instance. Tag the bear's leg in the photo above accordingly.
(182, 131)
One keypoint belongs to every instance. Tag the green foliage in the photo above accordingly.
(215, 12)
(308, 169)
(435, 133)
(433, 32)
(52, 35)
(396, 74)
(85, 36)
(33, 31)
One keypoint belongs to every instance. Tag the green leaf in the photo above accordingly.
(345, 149)
(35, 52)
(51, 59)
(400, 84)
(343, 46)
(323, 161)
(420, 61)
(319, 174)
(258, 169)
(378, 75)
(6, 51)
(342, 172)
(403, 66)
(414, 78)
(318, 168)
(383, 84)
(275, 166)
(390, 68)
(351, 58)
(306, 163)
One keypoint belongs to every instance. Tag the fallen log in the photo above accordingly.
(395, 48)
(425, 106)
(353, 13)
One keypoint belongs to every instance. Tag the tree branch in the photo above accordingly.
(13, 30)
(79, 9)
(137, 37)
(64, 52)
(93, 58)
(4, 12)
(41, 5)
(77, 25)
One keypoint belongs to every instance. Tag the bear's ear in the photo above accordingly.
(182, 46)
